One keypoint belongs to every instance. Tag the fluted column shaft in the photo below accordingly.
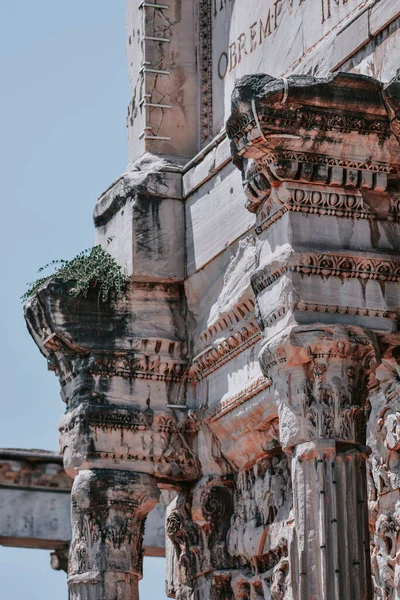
(320, 377)
(332, 523)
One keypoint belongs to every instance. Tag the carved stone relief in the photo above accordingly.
(384, 479)
(270, 474)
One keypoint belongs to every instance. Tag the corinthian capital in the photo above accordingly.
(320, 376)
(109, 508)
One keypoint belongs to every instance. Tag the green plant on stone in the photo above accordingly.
(92, 268)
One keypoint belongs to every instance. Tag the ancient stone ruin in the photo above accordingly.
(251, 374)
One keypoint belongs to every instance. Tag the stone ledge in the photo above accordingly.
(149, 176)
(37, 515)
(382, 14)
(350, 40)
(208, 167)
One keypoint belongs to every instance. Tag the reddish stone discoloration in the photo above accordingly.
(242, 369)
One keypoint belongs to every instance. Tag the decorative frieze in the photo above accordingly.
(233, 402)
(206, 73)
(347, 266)
(345, 310)
(230, 320)
(293, 121)
(316, 201)
(137, 366)
(96, 434)
(344, 266)
(285, 159)
(210, 360)
(288, 162)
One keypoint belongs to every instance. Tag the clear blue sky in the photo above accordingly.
(63, 101)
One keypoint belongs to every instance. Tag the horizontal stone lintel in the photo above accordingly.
(37, 514)
(34, 543)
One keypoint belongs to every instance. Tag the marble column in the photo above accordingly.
(320, 377)
(118, 435)
(109, 509)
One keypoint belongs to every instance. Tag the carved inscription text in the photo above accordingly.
(270, 21)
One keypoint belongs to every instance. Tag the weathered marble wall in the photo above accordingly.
(257, 351)
(162, 64)
(302, 36)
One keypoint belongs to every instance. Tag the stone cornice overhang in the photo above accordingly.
(102, 327)
(322, 116)
(31, 456)
(33, 470)
(321, 153)
(340, 131)
(150, 177)
(106, 360)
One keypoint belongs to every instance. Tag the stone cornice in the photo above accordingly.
(339, 203)
(229, 404)
(33, 469)
(229, 320)
(149, 358)
(268, 112)
(329, 264)
(274, 119)
(341, 131)
(315, 158)
(213, 358)
(51, 320)
(345, 310)
(128, 365)
(346, 177)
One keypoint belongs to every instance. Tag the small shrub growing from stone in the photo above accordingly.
(92, 268)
